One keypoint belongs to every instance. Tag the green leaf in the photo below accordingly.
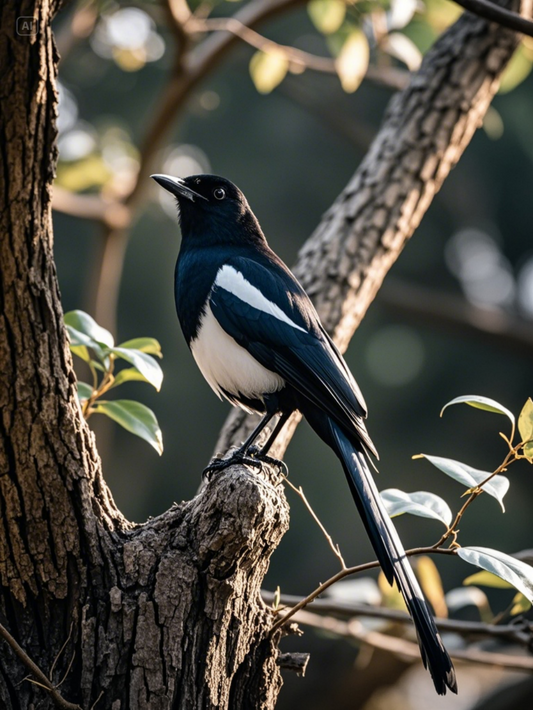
(79, 340)
(487, 579)
(518, 69)
(421, 503)
(150, 346)
(474, 400)
(470, 477)
(520, 604)
(128, 374)
(80, 350)
(268, 69)
(84, 391)
(431, 583)
(525, 427)
(352, 62)
(504, 566)
(135, 418)
(326, 15)
(147, 366)
(83, 323)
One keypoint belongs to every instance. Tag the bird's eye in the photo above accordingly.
(219, 193)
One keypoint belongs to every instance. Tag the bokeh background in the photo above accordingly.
(291, 152)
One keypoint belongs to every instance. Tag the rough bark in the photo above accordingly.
(162, 615)
(168, 614)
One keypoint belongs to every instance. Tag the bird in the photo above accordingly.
(258, 341)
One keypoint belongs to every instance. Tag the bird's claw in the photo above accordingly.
(253, 457)
(220, 464)
(255, 451)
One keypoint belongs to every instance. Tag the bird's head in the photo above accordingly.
(211, 208)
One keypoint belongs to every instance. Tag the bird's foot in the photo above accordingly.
(255, 451)
(239, 456)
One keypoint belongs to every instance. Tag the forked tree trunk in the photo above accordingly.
(167, 614)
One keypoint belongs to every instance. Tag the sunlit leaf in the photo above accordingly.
(525, 427)
(83, 323)
(470, 477)
(518, 69)
(520, 604)
(134, 417)
(128, 374)
(150, 346)
(146, 364)
(130, 59)
(326, 15)
(401, 13)
(268, 69)
(91, 171)
(487, 579)
(79, 342)
(363, 590)
(471, 596)
(391, 595)
(518, 573)
(84, 391)
(431, 584)
(440, 14)
(352, 61)
(421, 503)
(80, 350)
(398, 45)
(485, 403)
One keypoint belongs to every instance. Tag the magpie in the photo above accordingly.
(259, 343)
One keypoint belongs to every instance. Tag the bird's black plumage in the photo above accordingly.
(259, 342)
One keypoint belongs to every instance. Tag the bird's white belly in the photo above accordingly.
(228, 366)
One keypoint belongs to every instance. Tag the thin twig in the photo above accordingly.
(302, 59)
(334, 547)
(97, 700)
(354, 629)
(350, 571)
(520, 632)
(490, 11)
(34, 669)
(56, 659)
(477, 491)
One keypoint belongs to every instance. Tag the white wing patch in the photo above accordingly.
(233, 281)
(228, 366)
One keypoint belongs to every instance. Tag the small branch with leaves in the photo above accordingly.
(96, 347)
(498, 568)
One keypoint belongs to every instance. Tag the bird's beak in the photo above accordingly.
(176, 186)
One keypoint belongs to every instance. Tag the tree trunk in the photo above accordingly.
(168, 614)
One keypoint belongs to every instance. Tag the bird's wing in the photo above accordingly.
(267, 312)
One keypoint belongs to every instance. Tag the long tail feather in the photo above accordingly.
(393, 560)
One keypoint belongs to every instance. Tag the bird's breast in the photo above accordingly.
(227, 366)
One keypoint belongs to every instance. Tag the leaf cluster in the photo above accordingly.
(96, 347)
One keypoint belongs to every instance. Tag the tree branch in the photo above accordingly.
(354, 629)
(348, 571)
(519, 632)
(425, 131)
(455, 315)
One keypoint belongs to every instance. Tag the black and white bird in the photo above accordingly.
(259, 343)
